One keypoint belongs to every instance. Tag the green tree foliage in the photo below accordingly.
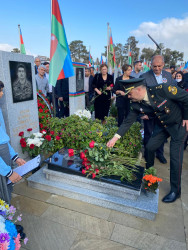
(79, 51)
(134, 49)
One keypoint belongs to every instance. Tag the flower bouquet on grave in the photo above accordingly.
(36, 143)
(10, 238)
(98, 161)
(150, 180)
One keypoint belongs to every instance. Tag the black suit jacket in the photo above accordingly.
(121, 101)
(62, 89)
(164, 100)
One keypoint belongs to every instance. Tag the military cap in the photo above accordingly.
(132, 83)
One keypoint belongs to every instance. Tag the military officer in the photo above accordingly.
(22, 88)
(163, 103)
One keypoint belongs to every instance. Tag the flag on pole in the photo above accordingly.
(60, 58)
(101, 60)
(129, 56)
(22, 47)
(111, 55)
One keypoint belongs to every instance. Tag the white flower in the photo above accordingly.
(38, 134)
(83, 113)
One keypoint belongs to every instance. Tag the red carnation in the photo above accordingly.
(112, 85)
(91, 144)
(41, 125)
(22, 140)
(97, 171)
(52, 132)
(40, 110)
(42, 117)
(43, 131)
(47, 116)
(58, 138)
(85, 159)
(48, 138)
(29, 129)
(82, 155)
(85, 151)
(32, 146)
(21, 133)
(93, 175)
(23, 145)
(83, 171)
(42, 106)
(71, 152)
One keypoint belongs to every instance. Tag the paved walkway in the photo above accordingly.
(53, 222)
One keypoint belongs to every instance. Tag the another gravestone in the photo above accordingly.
(19, 103)
(76, 88)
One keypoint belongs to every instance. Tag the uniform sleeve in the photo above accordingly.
(127, 122)
(4, 169)
(178, 95)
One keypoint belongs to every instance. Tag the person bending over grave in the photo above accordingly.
(7, 154)
(162, 103)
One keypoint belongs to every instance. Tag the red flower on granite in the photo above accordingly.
(82, 155)
(23, 144)
(32, 146)
(93, 175)
(29, 129)
(58, 138)
(40, 110)
(42, 117)
(92, 144)
(21, 133)
(71, 152)
(48, 137)
(83, 171)
(22, 140)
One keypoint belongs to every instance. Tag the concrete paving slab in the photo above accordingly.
(23, 189)
(142, 240)
(79, 221)
(30, 206)
(79, 206)
(47, 235)
(165, 226)
(85, 241)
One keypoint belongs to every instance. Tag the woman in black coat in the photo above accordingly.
(122, 101)
(101, 83)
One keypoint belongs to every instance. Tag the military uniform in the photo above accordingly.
(168, 104)
(22, 91)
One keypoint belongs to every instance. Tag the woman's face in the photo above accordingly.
(104, 70)
(179, 76)
(1, 93)
(128, 71)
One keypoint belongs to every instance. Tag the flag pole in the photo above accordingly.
(107, 41)
(19, 36)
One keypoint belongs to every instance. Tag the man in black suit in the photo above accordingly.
(162, 102)
(154, 77)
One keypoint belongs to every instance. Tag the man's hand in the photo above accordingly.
(112, 142)
(108, 88)
(61, 99)
(144, 117)
(185, 124)
(15, 177)
(20, 161)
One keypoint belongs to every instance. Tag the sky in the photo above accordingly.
(165, 20)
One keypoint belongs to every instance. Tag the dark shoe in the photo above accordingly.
(171, 197)
(19, 228)
(161, 159)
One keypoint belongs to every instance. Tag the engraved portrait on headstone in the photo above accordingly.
(21, 81)
(79, 79)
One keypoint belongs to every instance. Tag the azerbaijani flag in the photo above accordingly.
(129, 56)
(101, 60)
(60, 59)
(22, 47)
(112, 58)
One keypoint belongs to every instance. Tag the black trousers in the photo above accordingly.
(178, 135)
(148, 130)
